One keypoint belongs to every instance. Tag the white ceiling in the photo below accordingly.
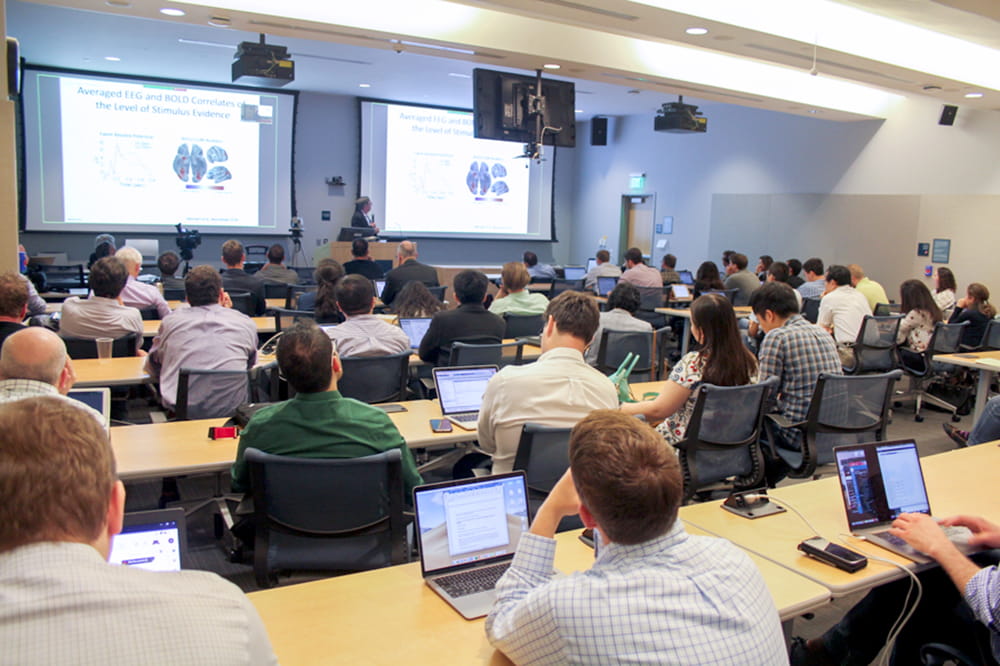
(80, 34)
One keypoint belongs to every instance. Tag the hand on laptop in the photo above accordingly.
(922, 532)
(984, 533)
(562, 501)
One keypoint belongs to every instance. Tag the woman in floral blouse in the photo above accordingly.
(920, 312)
(722, 360)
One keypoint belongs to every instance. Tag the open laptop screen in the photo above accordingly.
(591, 264)
(471, 521)
(461, 389)
(153, 540)
(415, 328)
(379, 287)
(880, 481)
(605, 285)
(574, 272)
(680, 291)
(98, 399)
(686, 277)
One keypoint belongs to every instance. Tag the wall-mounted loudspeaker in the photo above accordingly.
(13, 69)
(599, 131)
(948, 115)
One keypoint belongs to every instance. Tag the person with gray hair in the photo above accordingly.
(139, 294)
(409, 269)
(34, 362)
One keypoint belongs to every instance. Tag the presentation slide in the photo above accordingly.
(431, 178)
(114, 154)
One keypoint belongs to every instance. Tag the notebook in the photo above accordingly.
(879, 481)
(467, 532)
(415, 328)
(680, 291)
(154, 540)
(574, 272)
(460, 391)
(379, 287)
(605, 285)
(98, 399)
(686, 277)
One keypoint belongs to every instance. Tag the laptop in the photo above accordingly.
(98, 399)
(379, 287)
(460, 391)
(415, 328)
(591, 264)
(153, 540)
(680, 292)
(686, 277)
(574, 272)
(605, 285)
(879, 481)
(468, 531)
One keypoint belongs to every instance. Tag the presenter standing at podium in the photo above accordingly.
(362, 217)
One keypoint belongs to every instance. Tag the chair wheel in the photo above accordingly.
(956, 418)
(918, 418)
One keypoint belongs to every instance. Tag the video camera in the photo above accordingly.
(187, 241)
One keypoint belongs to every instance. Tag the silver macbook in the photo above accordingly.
(879, 481)
(98, 399)
(574, 272)
(680, 291)
(460, 391)
(415, 328)
(468, 531)
(154, 540)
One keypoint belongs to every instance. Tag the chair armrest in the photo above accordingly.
(784, 421)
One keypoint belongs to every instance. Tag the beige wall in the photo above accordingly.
(8, 178)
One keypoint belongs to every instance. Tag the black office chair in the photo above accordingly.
(991, 337)
(228, 381)
(721, 445)
(274, 289)
(924, 371)
(336, 514)
(728, 293)
(810, 309)
(283, 318)
(305, 274)
(149, 314)
(560, 285)
(438, 292)
(62, 277)
(375, 379)
(875, 349)
(465, 353)
(886, 309)
(614, 346)
(522, 326)
(543, 454)
(79, 348)
(444, 352)
(844, 409)
(651, 298)
(174, 294)
(243, 301)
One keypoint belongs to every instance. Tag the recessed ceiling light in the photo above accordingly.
(170, 11)
(118, 3)
(697, 31)
(220, 21)
(973, 95)
(550, 65)
(364, 85)
(578, 111)
(458, 75)
(112, 58)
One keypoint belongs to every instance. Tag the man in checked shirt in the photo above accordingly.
(655, 594)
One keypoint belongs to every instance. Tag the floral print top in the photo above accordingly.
(915, 330)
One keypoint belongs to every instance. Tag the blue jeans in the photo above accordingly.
(987, 428)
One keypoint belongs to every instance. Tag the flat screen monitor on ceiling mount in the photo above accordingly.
(502, 108)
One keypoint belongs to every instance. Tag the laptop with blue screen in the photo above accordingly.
(460, 391)
(415, 328)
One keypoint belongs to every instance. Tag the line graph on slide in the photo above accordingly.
(126, 161)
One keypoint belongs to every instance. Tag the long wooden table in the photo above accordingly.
(685, 314)
(150, 327)
(183, 447)
(960, 481)
(271, 303)
(988, 363)
(390, 616)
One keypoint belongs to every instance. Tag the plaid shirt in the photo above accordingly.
(677, 599)
(796, 354)
(983, 595)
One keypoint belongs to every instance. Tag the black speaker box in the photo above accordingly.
(948, 115)
(599, 131)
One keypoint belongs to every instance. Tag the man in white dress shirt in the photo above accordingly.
(363, 334)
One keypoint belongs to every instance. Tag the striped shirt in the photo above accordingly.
(677, 599)
(982, 592)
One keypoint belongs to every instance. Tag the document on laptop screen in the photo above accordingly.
(476, 519)
(903, 480)
(463, 391)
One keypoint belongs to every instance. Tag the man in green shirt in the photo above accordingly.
(318, 422)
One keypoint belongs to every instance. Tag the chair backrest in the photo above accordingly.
(375, 379)
(305, 274)
(277, 290)
(259, 251)
(521, 326)
(845, 409)
(78, 348)
(946, 339)
(148, 314)
(882, 309)
(283, 317)
(183, 411)
(467, 353)
(991, 337)
(543, 454)
(722, 437)
(170, 294)
(243, 301)
(70, 275)
(438, 292)
(875, 347)
(326, 513)
(810, 309)
(614, 346)
(650, 298)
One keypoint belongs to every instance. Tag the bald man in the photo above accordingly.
(34, 362)
(408, 270)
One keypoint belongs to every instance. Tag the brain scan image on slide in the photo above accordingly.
(181, 162)
(192, 162)
(219, 174)
(217, 154)
(198, 164)
(499, 171)
(482, 179)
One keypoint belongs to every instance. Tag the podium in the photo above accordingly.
(342, 251)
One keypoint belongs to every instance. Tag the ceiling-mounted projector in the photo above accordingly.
(263, 64)
(679, 117)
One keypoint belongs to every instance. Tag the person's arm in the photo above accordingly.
(162, 308)
(36, 304)
(239, 472)
(908, 323)
(429, 346)
(139, 338)
(825, 318)
(923, 533)
(671, 398)
(487, 440)
(771, 364)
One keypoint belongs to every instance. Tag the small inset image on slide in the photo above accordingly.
(482, 179)
(190, 163)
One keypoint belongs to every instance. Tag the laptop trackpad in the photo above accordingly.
(471, 606)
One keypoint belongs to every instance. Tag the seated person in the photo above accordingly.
(407, 270)
(722, 360)
(102, 315)
(842, 311)
(415, 300)
(275, 270)
(137, 294)
(976, 309)
(668, 270)
(707, 278)
(363, 334)
(104, 246)
(470, 321)
(794, 278)
(318, 422)
(362, 264)
(741, 279)
(537, 270)
(168, 263)
(867, 287)
(920, 313)
(655, 593)
(324, 300)
(13, 303)
(604, 268)
(513, 298)
(638, 273)
(234, 278)
(623, 303)
(61, 505)
(209, 335)
(763, 264)
(814, 285)
(557, 390)
(986, 429)
(945, 289)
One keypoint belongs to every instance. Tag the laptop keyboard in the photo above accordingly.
(465, 418)
(472, 581)
(959, 535)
